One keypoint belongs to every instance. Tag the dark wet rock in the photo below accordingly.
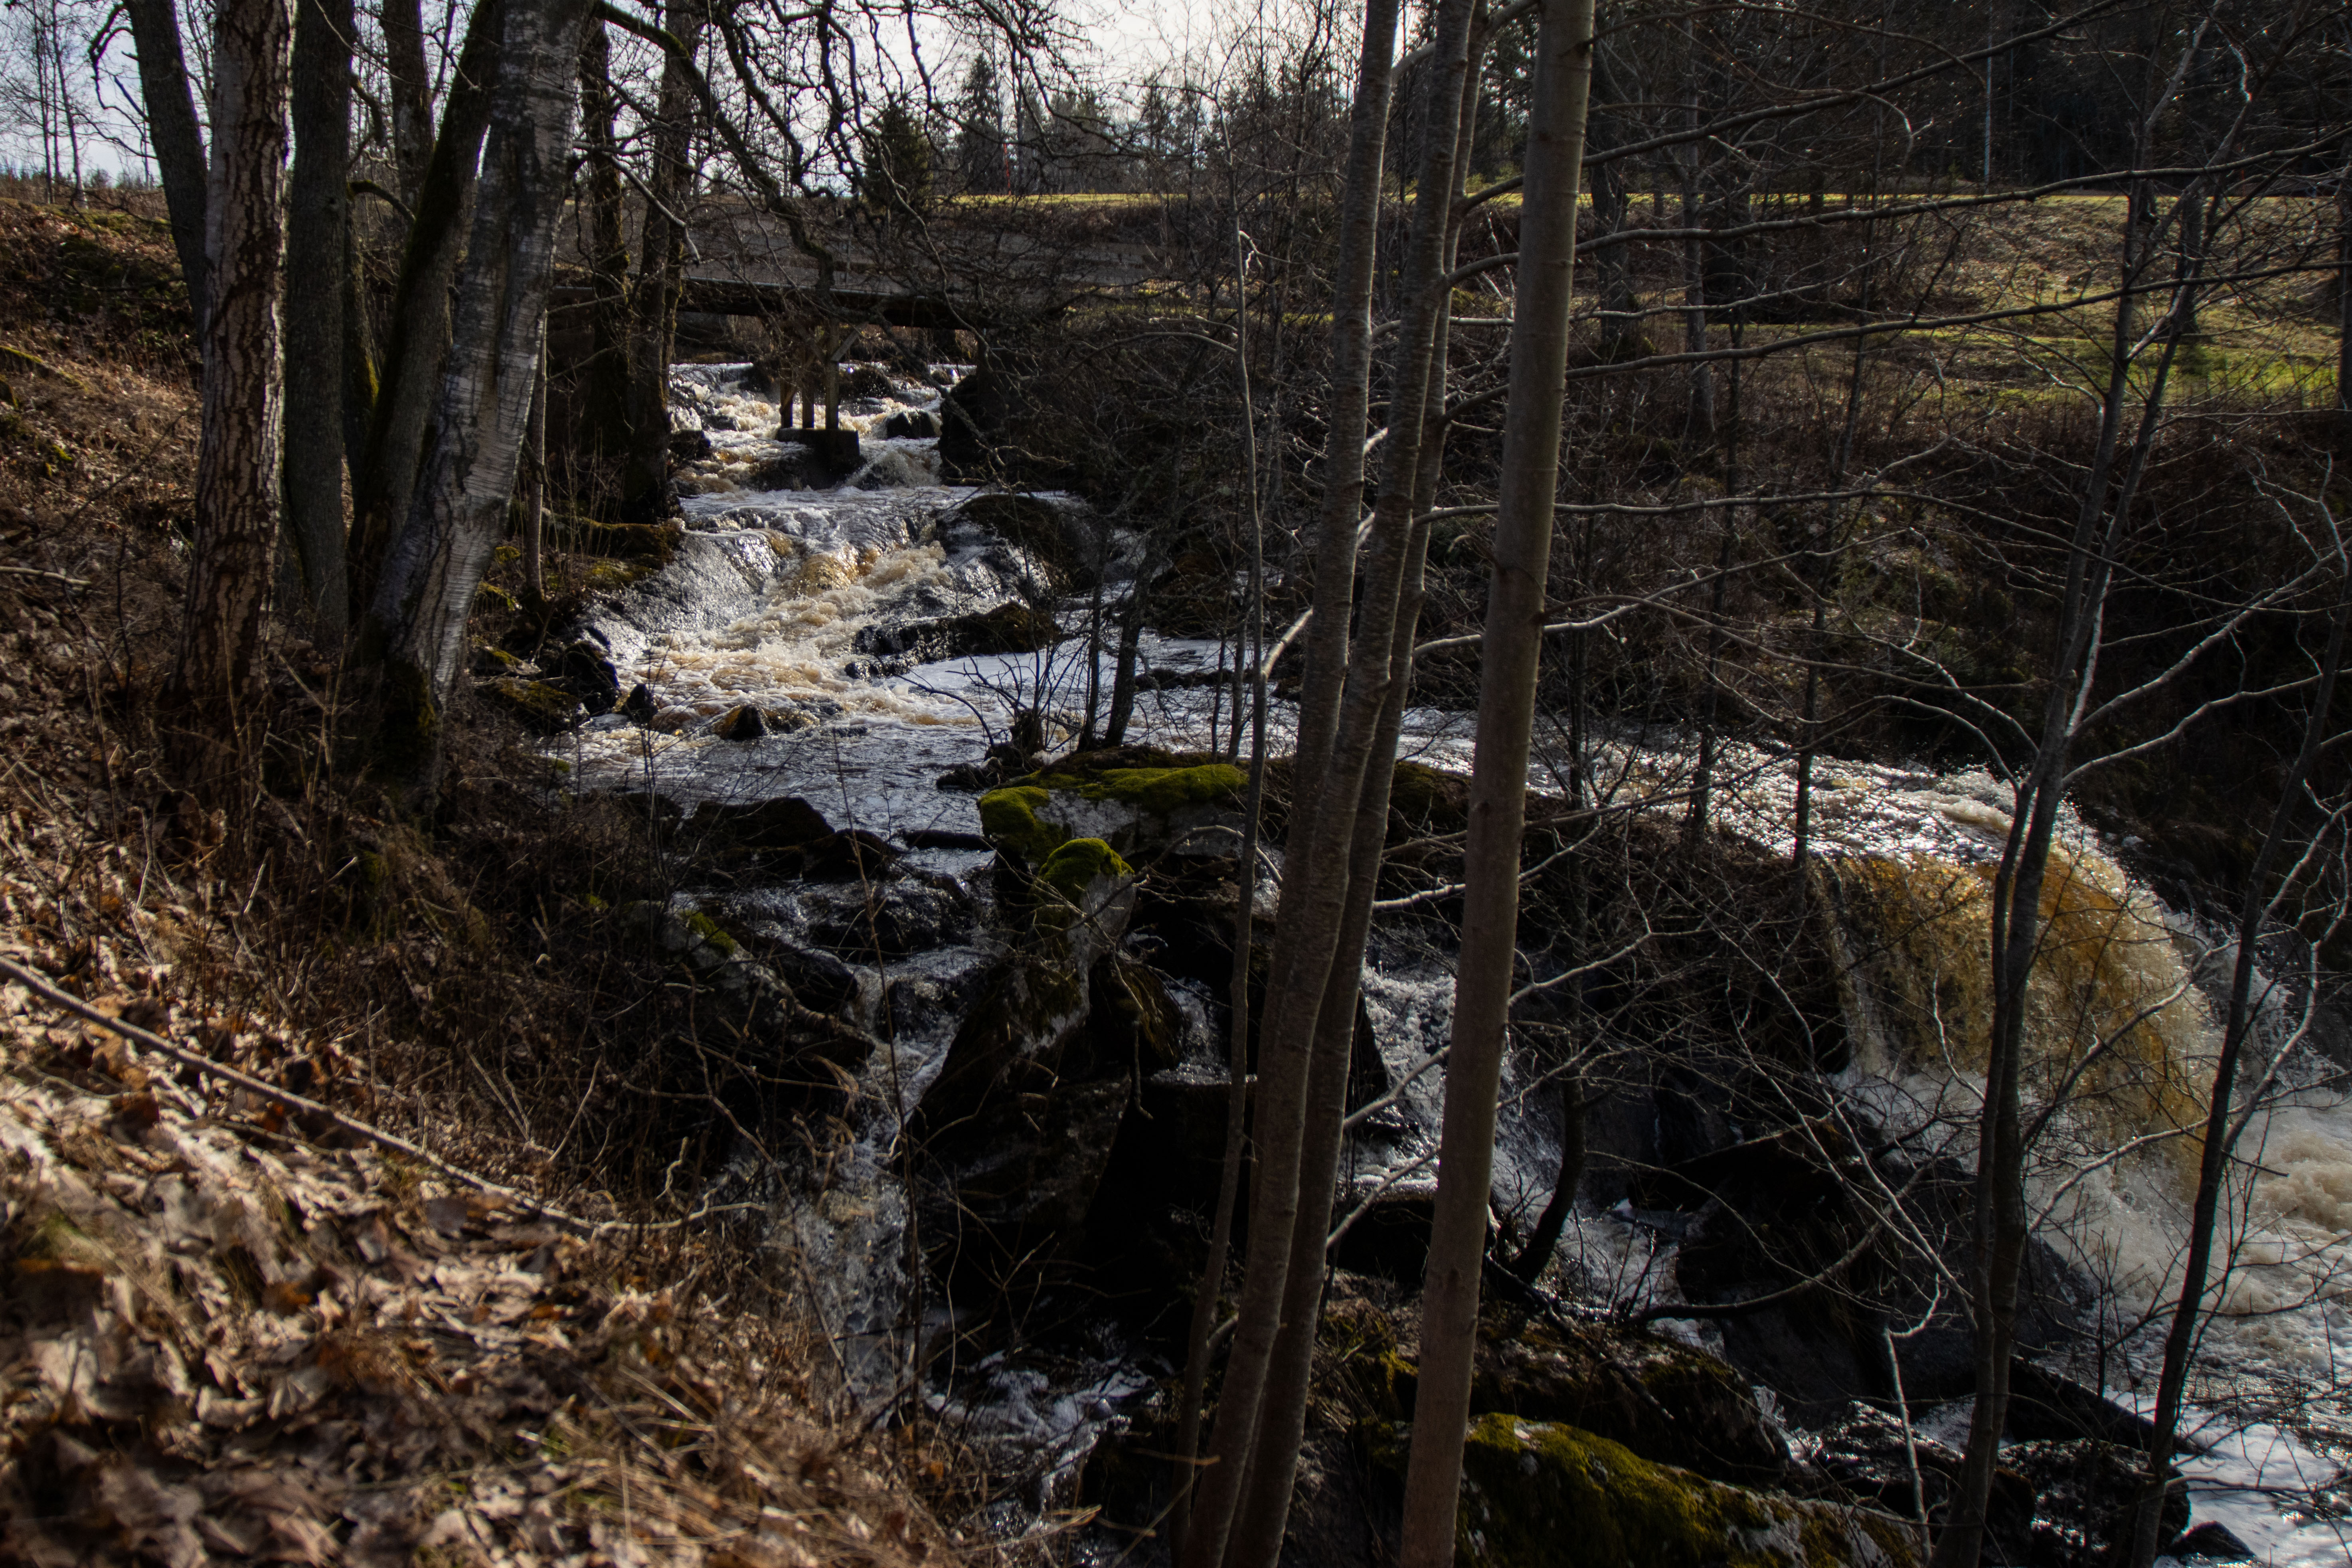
(911, 424)
(820, 979)
(1025, 1113)
(1012, 628)
(941, 838)
(796, 467)
(741, 722)
(2212, 1541)
(1390, 1239)
(1863, 1456)
(785, 823)
(757, 379)
(541, 704)
(752, 1042)
(2084, 1493)
(1545, 1495)
(975, 421)
(648, 539)
(817, 459)
(689, 446)
(879, 922)
(2043, 1404)
(972, 778)
(639, 705)
(1771, 1212)
(851, 854)
(583, 671)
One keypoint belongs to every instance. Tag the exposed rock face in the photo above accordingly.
(1545, 1495)
(911, 424)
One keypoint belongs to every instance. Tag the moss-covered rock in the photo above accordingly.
(1011, 819)
(541, 704)
(1545, 1495)
(1075, 865)
(1666, 1402)
(1141, 813)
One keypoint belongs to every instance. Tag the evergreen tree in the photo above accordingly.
(980, 162)
(897, 160)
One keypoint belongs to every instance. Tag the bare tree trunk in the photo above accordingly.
(1512, 650)
(418, 335)
(2000, 1218)
(417, 625)
(179, 145)
(1310, 916)
(1229, 1169)
(2188, 1310)
(2344, 293)
(646, 493)
(532, 484)
(318, 216)
(411, 93)
(604, 421)
(217, 680)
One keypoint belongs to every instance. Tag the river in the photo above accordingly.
(779, 594)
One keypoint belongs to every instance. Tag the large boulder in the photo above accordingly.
(1143, 803)
(1010, 628)
(1548, 1495)
(1663, 1400)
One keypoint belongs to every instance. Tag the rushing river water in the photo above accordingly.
(775, 601)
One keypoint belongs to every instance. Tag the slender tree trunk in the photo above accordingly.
(605, 415)
(1229, 1169)
(2188, 1310)
(415, 626)
(217, 681)
(358, 400)
(418, 335)
(2000, 1218)
(318, 214)
(1266, 1508)
(533, 488)
(173, 133)
(661, 276)
(2343, 294)
(412, 94)
(1511, 653)
(1313, 887)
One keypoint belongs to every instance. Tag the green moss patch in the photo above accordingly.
(1538, 1495)
(1008, 818)
(1072, 868)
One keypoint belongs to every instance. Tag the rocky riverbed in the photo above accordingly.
(848, 694)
